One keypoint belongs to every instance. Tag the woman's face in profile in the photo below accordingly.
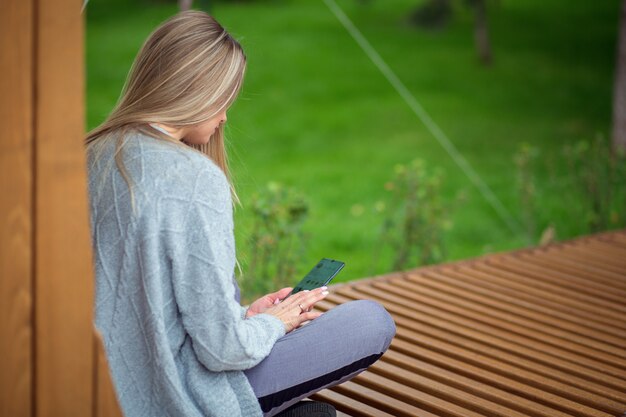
(201, 133)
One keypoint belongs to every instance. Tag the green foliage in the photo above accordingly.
(599, 178)
(416, 219)
(276, 244)
(592, 186)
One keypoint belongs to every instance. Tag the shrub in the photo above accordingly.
(276, 243)
(599, 177)
(591, 185)
(416, 218)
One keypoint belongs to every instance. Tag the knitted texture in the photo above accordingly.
(175, 337)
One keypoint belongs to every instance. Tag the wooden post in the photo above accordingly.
(16, 206)
(63, 269)
(46, 282)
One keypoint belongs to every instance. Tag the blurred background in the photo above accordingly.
(331, 159)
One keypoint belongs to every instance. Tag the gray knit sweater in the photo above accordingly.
(175, 337)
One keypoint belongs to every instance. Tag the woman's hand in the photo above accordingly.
(294, 310)
(267, 301)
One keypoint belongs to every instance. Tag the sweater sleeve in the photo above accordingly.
(203, 261)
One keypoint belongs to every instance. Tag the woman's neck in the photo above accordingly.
(168, 130)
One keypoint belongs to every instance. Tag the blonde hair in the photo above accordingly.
(188, 71)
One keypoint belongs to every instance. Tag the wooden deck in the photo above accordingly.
(538, 332)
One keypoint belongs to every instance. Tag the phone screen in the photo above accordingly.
(320, 275)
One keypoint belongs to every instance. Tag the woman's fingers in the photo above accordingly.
(294, 310)
(283, 292)
(279, 295)
(307, 299)
(310, 316)
(314, 297)
(306, 317)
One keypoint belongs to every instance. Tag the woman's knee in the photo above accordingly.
(371, 315)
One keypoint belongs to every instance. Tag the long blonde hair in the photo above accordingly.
(188, 71)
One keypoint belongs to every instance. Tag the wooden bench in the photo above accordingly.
(538, 332)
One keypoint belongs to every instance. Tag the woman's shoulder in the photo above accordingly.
(175, 167)
(179, 179)
(157, 167)
(164, 153)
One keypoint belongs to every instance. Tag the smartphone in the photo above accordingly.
(320, 275)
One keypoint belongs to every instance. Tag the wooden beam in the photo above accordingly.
(64, 275)
(16, 205)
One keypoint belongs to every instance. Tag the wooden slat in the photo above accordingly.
(519, 283)
(599, 249)
(16, 206)
(520, 336)
(617, 239)
(581, 273)
(348, 405)
(555, 277)
(374, 398)
(577, 254)
(471, 281)
(497, 348)
(443, 403)
(455, 395)
(507, 390)
(531, 311)
(572, 263)
(509, 315)
(538, 332)
(106, 404)
(63, 276)
(428, 342)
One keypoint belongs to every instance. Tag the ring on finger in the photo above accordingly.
(302, 309)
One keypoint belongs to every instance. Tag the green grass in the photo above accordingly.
(317, 115)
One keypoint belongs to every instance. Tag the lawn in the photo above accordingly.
(317, 115)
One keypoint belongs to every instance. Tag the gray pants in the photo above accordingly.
(325, 352)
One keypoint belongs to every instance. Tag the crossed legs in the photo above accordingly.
(329, 350)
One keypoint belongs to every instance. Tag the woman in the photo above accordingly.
(177, 339)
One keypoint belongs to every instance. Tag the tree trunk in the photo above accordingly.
(481, 32)
(619, 92)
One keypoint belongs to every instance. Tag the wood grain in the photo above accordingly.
(64, 276)
(16, 224)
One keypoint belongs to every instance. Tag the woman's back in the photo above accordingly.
(165, 296)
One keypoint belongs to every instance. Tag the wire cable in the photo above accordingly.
(430, 124)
